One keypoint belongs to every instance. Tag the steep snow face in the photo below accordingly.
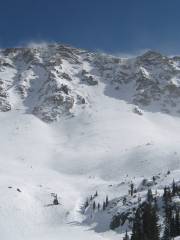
(73, 122)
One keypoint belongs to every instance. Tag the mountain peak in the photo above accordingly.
(151, 56)
(55, 80)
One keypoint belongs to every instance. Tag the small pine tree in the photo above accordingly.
(86, 204)
(174, 188)
(156, 204)
(107, 201)
(131, 189)
(94, 205)
(55, 201)
(124, 201)
(104, 206)
(167, 203)
(177, 223)
(165, 192)
(155, 230)
(150, 222)
(172, 227)
(99, 206)
(169, 221)
(137, 230)
(96, 194)
(149, 196)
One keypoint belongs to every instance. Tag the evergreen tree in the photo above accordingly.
(131, 189)
(137, 230)
(174, 188)
(55, 201)
(149, 196)
(172, 227)
(167, 203)
(94, 205)
(115, 223)
(104, 206)
(86, 204)
(155, 204)
(169, 220)
(150, 222)
(155, 234)
(145, 224)
(107, 201)
(165, 192)
(166, 235)
(154, 179)
(98, 206)
(124, 201)
(177, 223)
(96, 194)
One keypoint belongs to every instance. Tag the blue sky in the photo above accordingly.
(116, 26)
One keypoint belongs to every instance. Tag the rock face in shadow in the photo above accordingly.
(52, 80)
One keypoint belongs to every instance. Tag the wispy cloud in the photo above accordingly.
(124, 54)
(131, 54)
(34, 43)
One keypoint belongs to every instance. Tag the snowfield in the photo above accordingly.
(29, 146)
(101, 145)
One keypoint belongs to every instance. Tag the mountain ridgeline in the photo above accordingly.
(49, 80)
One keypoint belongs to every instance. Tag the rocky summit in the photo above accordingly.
(50, 80)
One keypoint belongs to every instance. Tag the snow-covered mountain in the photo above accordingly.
(51, 79)
(75, 122)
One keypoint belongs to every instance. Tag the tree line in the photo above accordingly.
(145, 224)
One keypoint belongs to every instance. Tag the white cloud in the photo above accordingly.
(33, 44)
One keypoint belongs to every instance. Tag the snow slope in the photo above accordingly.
(94, 140)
